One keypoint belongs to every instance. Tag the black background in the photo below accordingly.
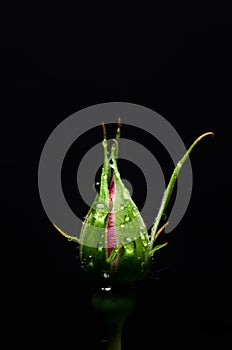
(172, 58)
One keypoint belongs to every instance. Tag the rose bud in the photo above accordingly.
(114, 241)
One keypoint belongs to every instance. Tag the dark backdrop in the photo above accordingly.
(172, 58)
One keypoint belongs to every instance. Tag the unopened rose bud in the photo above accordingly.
(114, 241)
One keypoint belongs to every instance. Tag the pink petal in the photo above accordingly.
(111, 231)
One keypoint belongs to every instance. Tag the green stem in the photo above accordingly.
(115, 335)
(114, 307)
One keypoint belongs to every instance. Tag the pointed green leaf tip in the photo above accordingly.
(114, 240)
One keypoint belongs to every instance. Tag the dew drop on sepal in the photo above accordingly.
(126, 218)
(130, 247)
(143, 236)
(100, 206)
(164, 216)
(100, 246)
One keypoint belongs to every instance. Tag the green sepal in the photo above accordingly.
(113, 254)
(70, 238)
(157, 247)
(168, 192)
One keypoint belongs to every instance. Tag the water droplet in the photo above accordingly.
(100, 246)
(128, 239)
(127, 218)
(144, 235)
(134, 211)
(100, 205)
(96, 186)
(122, 207)
(100, 212)
(145, 243)
(130, 248)
(89, 263)
(126, 193)
(164, 216)
(122, 225)
(83, 263)
(105, 282)
(105, 177)
(106, 289)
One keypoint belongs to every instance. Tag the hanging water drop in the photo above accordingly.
(105, 282)
(96, 186)
(106, 289)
